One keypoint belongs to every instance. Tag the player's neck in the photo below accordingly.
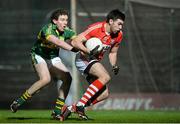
(107, 28)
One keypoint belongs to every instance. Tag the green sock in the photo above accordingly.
(58, 106)
(23, 98)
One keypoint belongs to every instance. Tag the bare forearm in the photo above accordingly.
(113, 58)
(78, 43)
(60, 43)
(64, 45)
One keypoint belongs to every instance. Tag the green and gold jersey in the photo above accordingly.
(45, 48)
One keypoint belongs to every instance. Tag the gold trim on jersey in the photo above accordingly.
(47, 37)
(46, 43)
(73, 36)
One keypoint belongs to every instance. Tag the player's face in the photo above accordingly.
(116, 25)
(61, 22)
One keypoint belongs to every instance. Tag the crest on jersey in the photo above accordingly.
(104, 39)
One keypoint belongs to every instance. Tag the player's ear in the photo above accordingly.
(110, 21)
(54, 21)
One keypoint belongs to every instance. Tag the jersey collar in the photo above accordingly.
(54, 27)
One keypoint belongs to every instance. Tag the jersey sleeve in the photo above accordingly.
(69, 34)
(47, 31)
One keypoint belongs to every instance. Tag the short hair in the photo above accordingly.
(115, 14)
(55, 14)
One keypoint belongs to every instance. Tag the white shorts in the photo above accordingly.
(82, 64)
(36, 59)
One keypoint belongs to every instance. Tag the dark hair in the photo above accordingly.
(55, 14)
(115, 14)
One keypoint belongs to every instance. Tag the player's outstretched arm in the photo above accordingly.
(78, 43)
(60, 43)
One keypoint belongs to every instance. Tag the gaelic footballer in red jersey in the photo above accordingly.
(88, 62)
(108, 38)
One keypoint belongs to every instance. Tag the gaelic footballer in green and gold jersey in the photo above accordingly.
(47, 63)
(47, 49)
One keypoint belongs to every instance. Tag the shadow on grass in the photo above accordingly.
(27, 118)
(78, 119)
(20, 118)
(70, 119)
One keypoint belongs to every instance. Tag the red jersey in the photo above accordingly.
(98, 30)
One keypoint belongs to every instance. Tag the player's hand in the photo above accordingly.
(93, 53)
(74, 50)
(115, 69)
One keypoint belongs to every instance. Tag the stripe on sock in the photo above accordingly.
(26, 96)
(94, 88)
(86, 94)
(91, 91)
(58, 105)
(59, 102)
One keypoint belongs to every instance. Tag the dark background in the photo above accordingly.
(149, 55)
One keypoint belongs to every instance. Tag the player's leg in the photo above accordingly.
(60, 71)
(87, 67)
(103, 78)
(99, 96)
(102, 96)
(44, 78)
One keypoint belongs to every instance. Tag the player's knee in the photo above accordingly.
(45, 80)
(106, 78)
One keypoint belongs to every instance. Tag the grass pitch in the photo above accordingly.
(102, 116)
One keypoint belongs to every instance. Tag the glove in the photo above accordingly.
(74, 50)
(115, 69)
(93, 53)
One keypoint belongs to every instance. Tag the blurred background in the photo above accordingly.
(149, 55)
